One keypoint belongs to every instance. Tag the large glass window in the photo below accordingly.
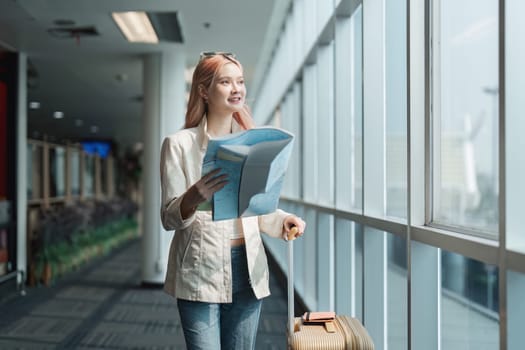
(397, 297)
(349, 111)
(348, 242)
(516, 310)
(310, 126)
(469, 306)
(515, 123)
(396, 109)
(465, 114)
(325, 125)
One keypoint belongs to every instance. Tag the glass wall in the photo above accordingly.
(348, 267)
(469, 317)
(397, 293)
(396, 108)
(465, 114)
(414, 219)
(515, 292)
(515, 123)
(349, 112)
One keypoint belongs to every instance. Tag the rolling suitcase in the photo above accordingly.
(322, 330)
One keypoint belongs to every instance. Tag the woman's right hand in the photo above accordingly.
(202, 191)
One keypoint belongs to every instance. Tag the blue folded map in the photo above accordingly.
(255, 161)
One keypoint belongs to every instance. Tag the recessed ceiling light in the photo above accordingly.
(94, 129)
(79, 122)
(58, 115)
(34, 105)
(135, 26)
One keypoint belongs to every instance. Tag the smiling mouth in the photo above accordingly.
(235, 99)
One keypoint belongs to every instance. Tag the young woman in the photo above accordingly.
(217, 270)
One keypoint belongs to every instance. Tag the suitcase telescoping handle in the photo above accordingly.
(291, 312)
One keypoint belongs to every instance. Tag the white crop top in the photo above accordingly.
(236, 231)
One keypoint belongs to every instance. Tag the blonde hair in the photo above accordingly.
(204, 75)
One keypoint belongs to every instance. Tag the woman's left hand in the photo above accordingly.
(295, 222)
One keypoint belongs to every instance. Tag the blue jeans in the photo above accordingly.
(226, 326)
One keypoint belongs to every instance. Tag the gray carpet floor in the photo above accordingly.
(103, 306)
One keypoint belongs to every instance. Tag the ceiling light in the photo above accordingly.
(34, 105)
(79, 122)
(58, 115)
(135, 26)
(94, 129)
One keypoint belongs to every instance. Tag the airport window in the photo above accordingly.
(325, 262)
(291, 109)
(396, 108)
(469, 303)
(325, 124)
(516, 311)
(348, 241)
(349, 111)
(465, 115)
(457, 290)
(397, 295)
(515, 124)
(310, 140)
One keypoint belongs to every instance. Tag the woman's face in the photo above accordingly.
(227, 92)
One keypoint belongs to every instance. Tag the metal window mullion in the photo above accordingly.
(434, 108)
(502, 261)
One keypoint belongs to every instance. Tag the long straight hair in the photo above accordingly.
(205, 73)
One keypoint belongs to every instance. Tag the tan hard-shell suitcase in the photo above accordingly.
(348, 334)
(342, 333)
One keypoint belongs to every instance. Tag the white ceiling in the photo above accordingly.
(79, 78)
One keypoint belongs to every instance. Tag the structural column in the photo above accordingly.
(163, 114)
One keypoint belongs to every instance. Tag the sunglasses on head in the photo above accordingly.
(207, 54)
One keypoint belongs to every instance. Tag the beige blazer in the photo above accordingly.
(199, 264)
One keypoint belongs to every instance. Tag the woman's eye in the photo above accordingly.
(241, 82)
(225, 82)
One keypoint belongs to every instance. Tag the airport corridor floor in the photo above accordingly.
(103, 306)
